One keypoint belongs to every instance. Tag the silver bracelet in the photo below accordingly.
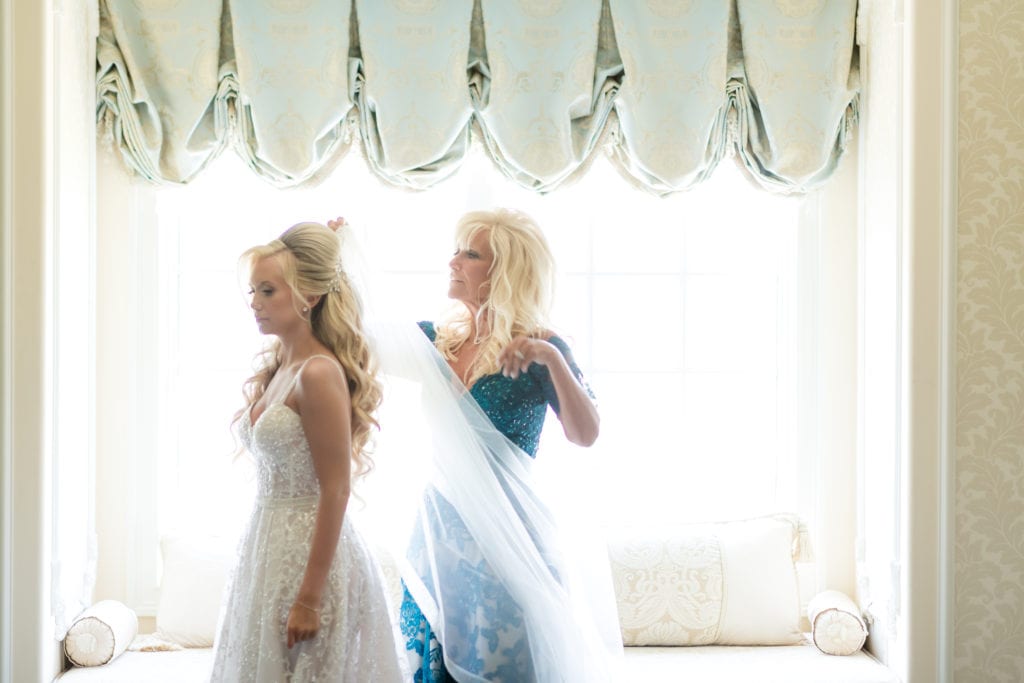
(312, 609)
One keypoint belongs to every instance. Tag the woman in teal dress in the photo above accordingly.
(478, 606)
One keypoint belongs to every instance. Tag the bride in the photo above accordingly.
(306, 600)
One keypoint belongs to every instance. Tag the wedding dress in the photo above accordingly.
(357, 639)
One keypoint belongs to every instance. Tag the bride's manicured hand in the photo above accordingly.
(516, 358)
(303, 623)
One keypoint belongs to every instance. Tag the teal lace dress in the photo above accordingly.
(491, 641)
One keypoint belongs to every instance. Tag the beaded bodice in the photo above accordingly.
(284, 468)
(517, 407)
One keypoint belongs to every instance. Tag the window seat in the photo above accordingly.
(710, 602)
(801, 663)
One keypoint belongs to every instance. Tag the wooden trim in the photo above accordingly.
(27, 308)
(929, 210)
(6, 292)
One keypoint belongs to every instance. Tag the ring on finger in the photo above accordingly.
(519, 354)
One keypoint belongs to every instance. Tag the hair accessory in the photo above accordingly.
(339, 274)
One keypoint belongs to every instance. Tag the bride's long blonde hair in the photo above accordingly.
(309, 257)
(520, 282)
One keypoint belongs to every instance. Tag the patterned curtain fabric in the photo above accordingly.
(290, 62)
(410, 83)
(549, 97)
(665, 87)
(795, 91)
(673, 102)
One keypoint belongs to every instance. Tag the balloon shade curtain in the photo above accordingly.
(664, 87)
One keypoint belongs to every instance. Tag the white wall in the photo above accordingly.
(881, 231)
(906, 406)
(125, 217)
(30, 653)
(46, 192)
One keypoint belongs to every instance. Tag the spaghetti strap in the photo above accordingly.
(298, 373)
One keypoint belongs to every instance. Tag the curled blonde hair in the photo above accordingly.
(520, 282)
(309, 257)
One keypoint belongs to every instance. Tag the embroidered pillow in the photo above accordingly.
(730, 583)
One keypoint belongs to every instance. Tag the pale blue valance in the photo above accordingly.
(673, 103)
(548, 99)
(411, 88)
(665, 87)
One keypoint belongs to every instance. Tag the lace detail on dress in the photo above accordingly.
(357, 640)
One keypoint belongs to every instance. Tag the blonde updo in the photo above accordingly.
(310, 264)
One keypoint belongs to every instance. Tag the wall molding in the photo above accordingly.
(947, 456)
(929, 208)
(6, 192)
(29, 650)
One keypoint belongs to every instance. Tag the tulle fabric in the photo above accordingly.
(470, 519)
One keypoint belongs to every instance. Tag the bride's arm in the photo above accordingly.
(325, 409)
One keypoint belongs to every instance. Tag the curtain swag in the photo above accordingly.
(665, 87)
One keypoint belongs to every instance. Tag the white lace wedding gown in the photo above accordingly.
(356, 641)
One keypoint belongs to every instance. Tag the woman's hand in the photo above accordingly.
(515, 358)
(575, 410)
(303, 623)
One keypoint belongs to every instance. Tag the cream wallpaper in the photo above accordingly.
(989, 622)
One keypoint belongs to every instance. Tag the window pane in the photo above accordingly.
(681, 311)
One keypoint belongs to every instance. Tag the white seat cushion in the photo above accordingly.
(742, 664)
(181, 666)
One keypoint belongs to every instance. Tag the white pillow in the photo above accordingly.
(195, 571)
(100, 633)
(836, 625)
(730, 583)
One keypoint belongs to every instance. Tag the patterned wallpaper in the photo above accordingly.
(989, 621)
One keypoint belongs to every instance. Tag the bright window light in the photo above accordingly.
(682, 311)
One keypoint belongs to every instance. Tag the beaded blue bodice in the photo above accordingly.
(517, 407)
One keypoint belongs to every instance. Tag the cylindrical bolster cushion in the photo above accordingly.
(100, 633)
(836, 624)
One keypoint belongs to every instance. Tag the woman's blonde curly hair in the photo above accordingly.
(520, 283)
(309, 256)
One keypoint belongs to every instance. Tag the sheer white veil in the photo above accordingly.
(438, 454)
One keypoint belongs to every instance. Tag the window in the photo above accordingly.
(688, 314)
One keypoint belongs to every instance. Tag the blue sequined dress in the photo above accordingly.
(489, 623)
